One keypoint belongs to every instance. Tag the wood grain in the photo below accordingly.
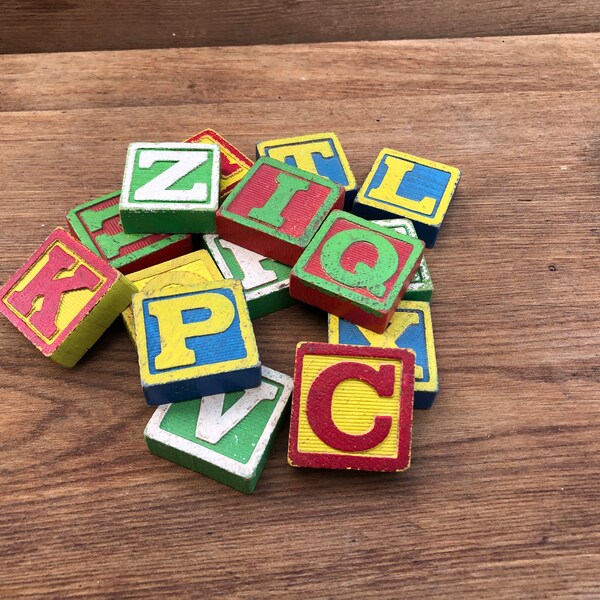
(77, 25)
(502, 498)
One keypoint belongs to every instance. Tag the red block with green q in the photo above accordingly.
(277, 209)
(356, 270)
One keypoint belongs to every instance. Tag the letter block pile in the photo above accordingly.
(292, 227)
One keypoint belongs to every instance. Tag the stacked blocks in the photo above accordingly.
(356, 270)
(276, 210)
(402, 185)
(234, 164)
(170, 188)
(97, 226)
(226, 436)
(319, 153)
(196, 267)
(421, 287)
(352, 407)
(194, 342)
(409, 328)
(63, 298)
(266, 282)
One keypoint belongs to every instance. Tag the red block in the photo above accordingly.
(352, 407)
(63, 297)
(277, 209)
(234, 164)
(356, 270)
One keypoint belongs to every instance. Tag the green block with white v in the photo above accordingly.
(170, 188)
(227, 437)
(266, 282)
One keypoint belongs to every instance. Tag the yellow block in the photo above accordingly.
(176, 361)
(355, 405)
(384, 195)
(193, 268)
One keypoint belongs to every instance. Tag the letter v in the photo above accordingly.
(213, 423)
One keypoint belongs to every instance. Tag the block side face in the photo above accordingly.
(53, 291)
(180, 177)
(232, 432)
(345, 244)
(210, 333)
(409, 186)
(98, 226)
(336, 440)
(320, 153)
(257, 241)
(309, 200)
(94, 324)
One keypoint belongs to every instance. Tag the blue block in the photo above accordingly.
(409, 328)
(195, 343)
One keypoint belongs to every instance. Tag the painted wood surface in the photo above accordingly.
(501, 499)
(170, 188)
(352, 407)
(356, 269)
(277, 209)
(43, 26)
(194, 341)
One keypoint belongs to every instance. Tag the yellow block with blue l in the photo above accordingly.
(409, 328)
(318, 153)
(195, 341)
(403, 185)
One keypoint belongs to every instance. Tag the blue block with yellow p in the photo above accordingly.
(195, 342)
(403, 185)
(409, 328)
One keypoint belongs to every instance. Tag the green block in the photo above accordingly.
(170, 188)
(227, 437)
(93, 223)
(421, 287)
(266, 282)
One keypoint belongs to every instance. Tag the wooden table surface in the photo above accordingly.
(502, 500)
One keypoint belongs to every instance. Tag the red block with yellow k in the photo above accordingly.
(64, 297)
(352, 407)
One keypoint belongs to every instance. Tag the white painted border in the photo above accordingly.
(209, 240)
(154, 432)
(215, 175)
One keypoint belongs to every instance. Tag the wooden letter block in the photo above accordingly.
(276, 210)
(195, 342)
(234, 164)
(196, 267)
(170, 188)
(356, 270)
(319, 153)
(410, 328)
(266, 282)
(98, 227)
(227, 437)
(402, 185)
(352, 407)
(64, 297)
(421, 287)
